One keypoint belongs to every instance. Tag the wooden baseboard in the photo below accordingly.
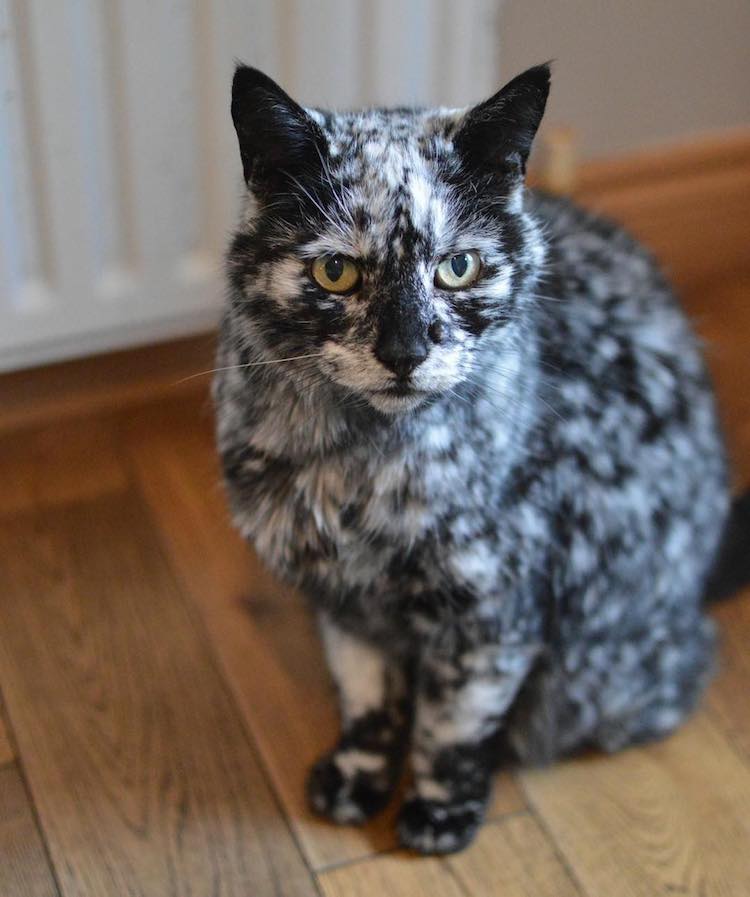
(690, 203)
(103, 382)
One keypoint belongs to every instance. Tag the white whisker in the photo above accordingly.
(251, 364)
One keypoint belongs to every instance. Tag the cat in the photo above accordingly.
(471, 424)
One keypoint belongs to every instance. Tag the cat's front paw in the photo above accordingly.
(430, 826)
(349, 786)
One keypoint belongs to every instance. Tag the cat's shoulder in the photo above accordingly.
(581, 237)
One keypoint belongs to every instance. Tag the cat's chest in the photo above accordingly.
(350, 517)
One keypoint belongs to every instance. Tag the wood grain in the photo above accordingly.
(6, 749)
(394, 876)
(512, 858)
(24, 868)
(139, 766)
(58, 463)
(666, 819)
(262, 632)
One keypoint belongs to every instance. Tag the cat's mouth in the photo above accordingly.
(400, 388)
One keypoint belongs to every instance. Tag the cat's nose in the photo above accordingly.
(401, 354)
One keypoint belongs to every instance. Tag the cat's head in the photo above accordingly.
(388, 248)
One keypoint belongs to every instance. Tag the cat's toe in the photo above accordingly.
(345, 793)
(433, 827)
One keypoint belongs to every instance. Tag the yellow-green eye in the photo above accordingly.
(335, 273)
(457, 271)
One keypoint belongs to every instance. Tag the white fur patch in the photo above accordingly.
(358, 669)
(352, 761)
(470, 712)
(429, 789)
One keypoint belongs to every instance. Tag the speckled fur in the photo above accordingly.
(508, 561)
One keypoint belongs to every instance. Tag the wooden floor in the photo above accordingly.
(163, 698)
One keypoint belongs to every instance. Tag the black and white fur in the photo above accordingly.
(507, 547)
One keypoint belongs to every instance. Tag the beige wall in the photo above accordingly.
(630, 73)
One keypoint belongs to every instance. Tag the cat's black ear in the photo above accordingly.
(276, 136)
(498, 133)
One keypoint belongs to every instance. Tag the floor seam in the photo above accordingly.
(20, 767)
(554, 845)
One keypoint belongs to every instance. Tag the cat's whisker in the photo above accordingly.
(251, 364)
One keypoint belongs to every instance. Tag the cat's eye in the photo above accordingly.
(335, 273)
(458, 271)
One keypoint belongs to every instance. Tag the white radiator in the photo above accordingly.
(118, 167)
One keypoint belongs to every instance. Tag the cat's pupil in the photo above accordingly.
(459, 264)
(334, 268)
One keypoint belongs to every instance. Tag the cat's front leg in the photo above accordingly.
(461, 701)
(355, 780)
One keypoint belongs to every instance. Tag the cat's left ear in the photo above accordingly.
(498, 133)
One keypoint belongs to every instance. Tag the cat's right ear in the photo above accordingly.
(277, 137)
(497, 134)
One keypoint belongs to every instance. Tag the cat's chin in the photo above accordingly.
(390, 402)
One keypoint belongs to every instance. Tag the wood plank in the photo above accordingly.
(6, 749)
(507, 797)
(139, 765)
(396, 876)
(58, 463)
(24, 867)
(261, 631)
(670, 818)
(512, 857)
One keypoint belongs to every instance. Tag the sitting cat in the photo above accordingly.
(471, 424)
